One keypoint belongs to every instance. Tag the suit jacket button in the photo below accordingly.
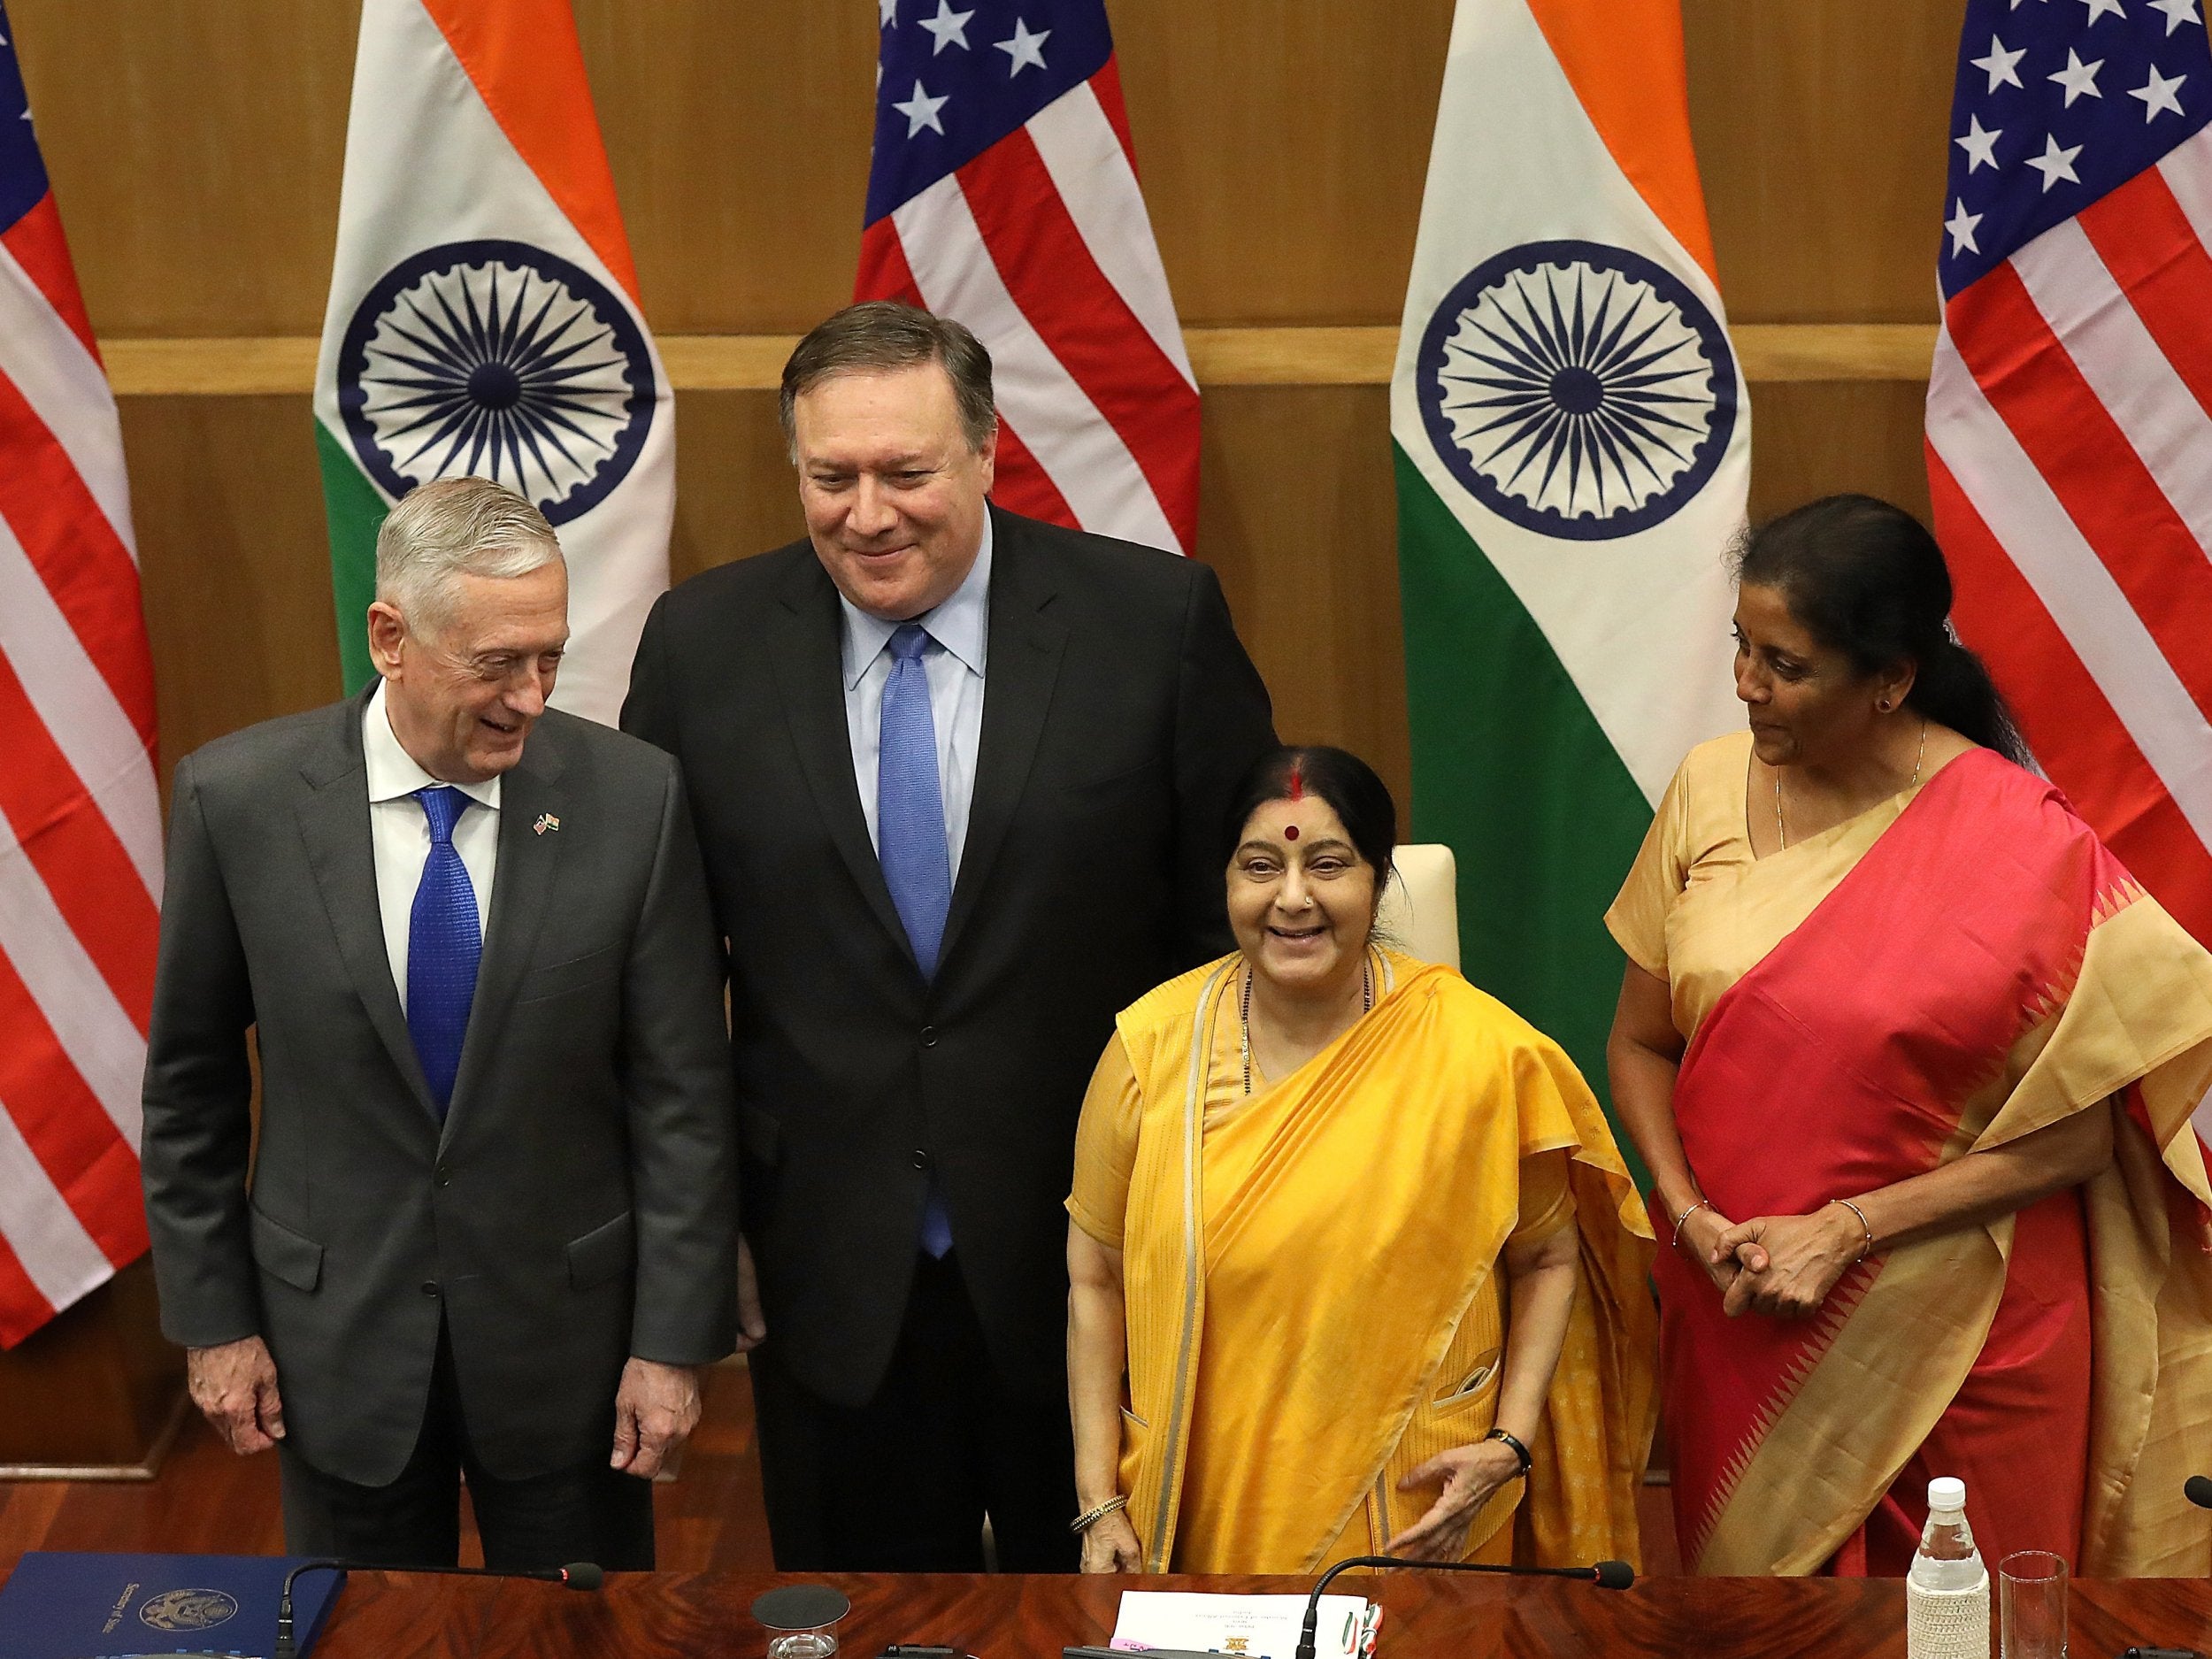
(929, 1036)
(444, 1176)
(429, 1287)
(921, 1159)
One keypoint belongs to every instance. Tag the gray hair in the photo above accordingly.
(454, 527)
(879, 335)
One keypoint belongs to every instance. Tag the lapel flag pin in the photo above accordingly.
(546, 821)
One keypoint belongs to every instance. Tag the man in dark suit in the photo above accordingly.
(959, 778)
(491, 1221)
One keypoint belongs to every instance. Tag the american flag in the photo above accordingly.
(2070, 416)
(1003, 194)
(80, 818)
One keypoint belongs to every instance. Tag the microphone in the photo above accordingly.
(578, 1575)
(1607, 1575)
(2197, 1490)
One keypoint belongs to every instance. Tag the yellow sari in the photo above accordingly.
(1311, 1276)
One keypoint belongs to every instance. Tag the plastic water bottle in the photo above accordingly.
(1946, 1592)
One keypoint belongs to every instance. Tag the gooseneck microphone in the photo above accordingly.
(1607, 1575)
(2197, 1490)
(578, 1575)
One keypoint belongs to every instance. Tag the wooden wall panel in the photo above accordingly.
(197, 150)
(232, 561)
(1298, 513)
(1283, 144)
(1822, 129)
(1813, 438)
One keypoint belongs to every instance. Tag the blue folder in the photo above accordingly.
(63, 1605)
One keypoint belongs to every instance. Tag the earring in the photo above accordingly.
(1884, 704)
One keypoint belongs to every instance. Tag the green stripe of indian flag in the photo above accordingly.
(355, 510)
(1554, 682)
(427, 164)
(1514, 773)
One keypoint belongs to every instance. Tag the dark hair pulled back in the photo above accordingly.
(1867, 579)
(1349, 784)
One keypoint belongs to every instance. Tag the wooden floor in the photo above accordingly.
(207, 1502)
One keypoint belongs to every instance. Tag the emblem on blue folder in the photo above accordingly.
(62, 1605)
(189, 1610)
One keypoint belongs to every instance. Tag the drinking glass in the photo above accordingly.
(2032, 1602)
(802, 1620)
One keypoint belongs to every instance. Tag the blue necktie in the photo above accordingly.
(911, 837)
(444, 944)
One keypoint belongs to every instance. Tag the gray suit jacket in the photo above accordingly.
(579, 1205)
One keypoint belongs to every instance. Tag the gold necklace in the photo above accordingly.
(1244, 1008)
(1782, 834)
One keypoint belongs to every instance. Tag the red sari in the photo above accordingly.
(1984, 968)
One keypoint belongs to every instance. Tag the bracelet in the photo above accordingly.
(1702, 1203)
(1867, 1248)
(1089, 1518)
(1520, 1451)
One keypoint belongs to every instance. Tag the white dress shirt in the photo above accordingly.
(399, 833)
(959, 632)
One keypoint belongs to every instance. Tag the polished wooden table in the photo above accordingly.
(1432, 1616)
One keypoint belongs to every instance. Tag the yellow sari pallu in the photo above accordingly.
(1315, 1296)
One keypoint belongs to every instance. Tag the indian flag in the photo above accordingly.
(484, 319)
(1572, 441)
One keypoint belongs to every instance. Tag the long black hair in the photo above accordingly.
(1349, 784)
(1868, 580)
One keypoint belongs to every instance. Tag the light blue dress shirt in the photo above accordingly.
(959, 632)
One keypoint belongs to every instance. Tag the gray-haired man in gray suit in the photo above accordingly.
(490, 1226)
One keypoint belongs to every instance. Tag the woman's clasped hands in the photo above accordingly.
(1780, 1265)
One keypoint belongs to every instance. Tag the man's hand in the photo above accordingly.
(235, 1386)
(656, 1407)
(752, 1324)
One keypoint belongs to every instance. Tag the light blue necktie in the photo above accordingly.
(444, 944)
(911, 837)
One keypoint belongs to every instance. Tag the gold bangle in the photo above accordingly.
(1089, 1518)
(1867, 1248)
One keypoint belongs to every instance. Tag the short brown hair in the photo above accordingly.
(881, 334)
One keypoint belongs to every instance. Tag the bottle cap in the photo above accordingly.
(1947, 1492)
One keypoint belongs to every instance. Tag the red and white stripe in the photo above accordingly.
(2069, 458)
(80, 816)
(1041, 245)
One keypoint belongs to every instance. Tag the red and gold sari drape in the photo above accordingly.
(1957, 968)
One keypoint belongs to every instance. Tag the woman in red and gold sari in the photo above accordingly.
(1358, 1237)
(1911, 1059)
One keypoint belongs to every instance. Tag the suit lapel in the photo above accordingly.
(809, 652)
(1027, 641)
(333, 822)
(522, 889)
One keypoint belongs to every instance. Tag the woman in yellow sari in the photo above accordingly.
(1911, 1059)
(1357, 1237)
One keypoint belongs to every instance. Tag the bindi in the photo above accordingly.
(1290, 832)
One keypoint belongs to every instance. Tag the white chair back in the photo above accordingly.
(1420, 910)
